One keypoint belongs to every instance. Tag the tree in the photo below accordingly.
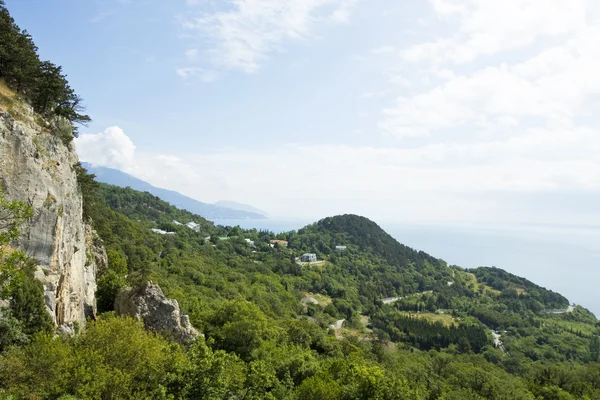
(595, 348)
(240, 327)
(27, 302)
(12, 215)
(41, 83)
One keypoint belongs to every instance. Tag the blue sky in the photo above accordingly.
(433, 111)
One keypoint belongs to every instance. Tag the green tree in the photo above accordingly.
(27, 302)
(595, 348)
(214, 374)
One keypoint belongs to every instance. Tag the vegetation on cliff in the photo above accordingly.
(42, 84)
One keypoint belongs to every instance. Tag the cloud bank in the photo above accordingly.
(429, 183)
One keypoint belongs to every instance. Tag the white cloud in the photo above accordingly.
(248, 31)
(191, 54)
(195, 72)
(399, 80)
(387, 49)
(111, 148)
(552, 84)
(366, 180)
(487, 27)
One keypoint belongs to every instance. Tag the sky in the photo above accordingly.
(437, 111)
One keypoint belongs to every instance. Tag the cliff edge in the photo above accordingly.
(38, 168)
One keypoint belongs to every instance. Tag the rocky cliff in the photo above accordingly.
(147, 303)
(37, 167)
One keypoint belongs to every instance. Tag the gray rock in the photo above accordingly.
(37, 167)
(147, 303)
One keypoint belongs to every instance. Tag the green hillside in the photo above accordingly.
(263, 340)
(370, 318)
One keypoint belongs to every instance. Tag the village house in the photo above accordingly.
(283, 243)
(193, 226)
(309, 257)
(341, 248)
(161, 232)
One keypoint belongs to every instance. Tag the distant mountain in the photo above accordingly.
(208, 211)
(234, 205)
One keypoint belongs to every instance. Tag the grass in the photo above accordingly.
(520, 290)
(49, 200)
(558, 321)
(321, 298)
(486, 288)
(7, 98)
(5, 91)
(39, 147)
(445, 319)
(11, 102)
(50, 164)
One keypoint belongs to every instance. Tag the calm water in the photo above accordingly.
(564, 259)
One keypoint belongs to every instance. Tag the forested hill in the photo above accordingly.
(365, 233)
(373, 319)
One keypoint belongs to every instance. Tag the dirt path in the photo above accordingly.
(338, 324)
(567, 310)
(391, 300)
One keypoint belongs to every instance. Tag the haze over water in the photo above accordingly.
(563, 259)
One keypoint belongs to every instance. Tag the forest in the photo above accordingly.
(261, 340)
(371, 319)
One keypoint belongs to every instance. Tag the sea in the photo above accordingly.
(565, 259)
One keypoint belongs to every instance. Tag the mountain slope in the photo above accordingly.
(320, 330)
(239, 206)
(210, 211)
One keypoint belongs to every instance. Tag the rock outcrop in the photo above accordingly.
(37, 167)
(147, 303)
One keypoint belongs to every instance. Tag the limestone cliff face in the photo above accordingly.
(37, 168)
(147, 303)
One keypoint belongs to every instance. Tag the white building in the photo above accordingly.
(309, 257)
(341, 248)
(161, 232)
(194, 226)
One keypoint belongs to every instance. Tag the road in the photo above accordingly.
(391, 300)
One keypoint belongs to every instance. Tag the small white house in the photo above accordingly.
(341, 248)
(161, 232)
(193, 226)
(177, 222)
(309, 257)
(250, 242)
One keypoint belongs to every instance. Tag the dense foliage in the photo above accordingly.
(266, 319)
(41, 83)
(371, 319)
(26, 312)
